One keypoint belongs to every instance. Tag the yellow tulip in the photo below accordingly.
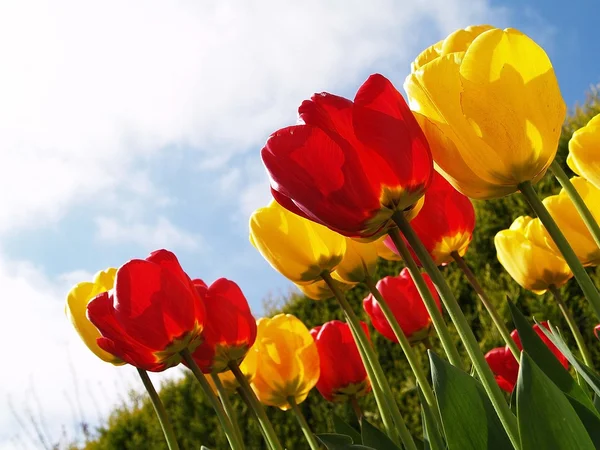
(584, 152)
(563, 211)
(248, 368)
(383, 251)
(288, 361)
(524, 253)
(76, 311)
(298, 248)
(320, 291)
(490, 106)
(359, 261)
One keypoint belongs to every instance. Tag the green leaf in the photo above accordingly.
(545, 415)
(342, 427)
(597, 402)
(545, 359)
(373, 437)
(468, 417)
(590, 420)
(340, 442)
(431, 434)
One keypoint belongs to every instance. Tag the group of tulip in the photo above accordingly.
(354, 180)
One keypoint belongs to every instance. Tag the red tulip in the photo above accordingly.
(229, 328)
(342, 371)
(505, 366)
(152, 313)
(444, 224)
(404, 300)
(351, 165)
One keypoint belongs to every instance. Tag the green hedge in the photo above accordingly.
(135, 426)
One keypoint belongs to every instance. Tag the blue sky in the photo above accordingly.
(115, 143)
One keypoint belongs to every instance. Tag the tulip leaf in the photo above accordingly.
(586, 373)
(341, 427)
(431, 433)
(340, 442)
(545, 359)
(373, 437)
(589, 418)
(468, 417)
(545, 415)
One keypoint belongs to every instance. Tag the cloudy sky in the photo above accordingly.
(130, 126)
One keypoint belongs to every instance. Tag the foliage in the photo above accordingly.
(136, 426)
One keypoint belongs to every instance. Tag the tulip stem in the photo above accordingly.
(465, 332)
(229, 410)
(432, 308)
(257, 407)
(161, 412)
(587, 358)
(244, 397)
(405, 345)
(214, 401)
(356, 407)
(582, 277)
(580, 205)
(500, 325)
(381, 388)
(308, 434)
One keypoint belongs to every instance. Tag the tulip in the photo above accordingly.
(563, 211)
(299, 249)
(153, 313)
(248, 368)
(320, 291)
(341, 377)
(288, 361)
(445, 223)
(524, 253)
(350, 165)
(358, 263)
(490, 106)
(383, 251)
(229, 326)
(583, 152)
(76, 308)
(505, 366)
(403, 298)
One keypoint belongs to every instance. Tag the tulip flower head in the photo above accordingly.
(152, 313)
(505, 366)
(341, 376)
(385, 252)
(229, 326)
(358, 263)
(350, 165)
(76, 309)
(298, 248)
(490, 106)
(583, 152)
(445, 223)
(564, 213)
(524, 253)
(320, 291)
(288, 361)
(248, 368)
(403, 298)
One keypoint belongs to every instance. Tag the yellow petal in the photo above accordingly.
(359, 261)
(76, 311)
(584, 151)
(319, 289)
(383, 251)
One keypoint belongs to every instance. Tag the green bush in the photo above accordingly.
(136, 427)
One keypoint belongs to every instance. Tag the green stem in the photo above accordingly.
(356, 407)
(214, 401)
(470, 343)
(587, 358)
(580, 205)
(161, 412)
(405, 345)
(582, 277)
(244, 398)
(500, 325)
(432, 308)
(308, 434)
(370, 358)
(229, 410)
(261, 414)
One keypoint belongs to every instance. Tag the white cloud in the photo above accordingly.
(89, 88)
(162, 234)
